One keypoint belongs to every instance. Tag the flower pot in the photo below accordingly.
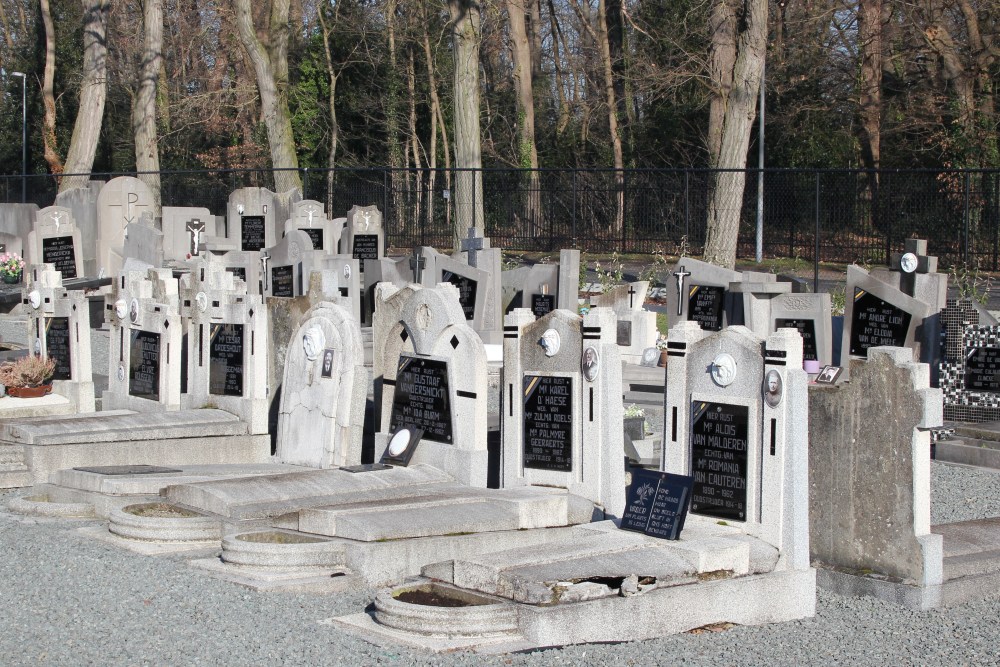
(663, 358)
(11, 280)
(29, 392)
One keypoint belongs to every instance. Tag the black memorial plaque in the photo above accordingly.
(365, 247)
(466, 291)
(282, 281)
(421, 398)
(253, 238)
(542, 304)
(548, 422)
(625, 333)
(982, 369)
(144, 365)
(316, 234)
(57, 346)
(806, 329)
(656, 503)
(719, 434)
(225, 360)
(705, 305)
(59, 250)
(876, 322)
(238, 271)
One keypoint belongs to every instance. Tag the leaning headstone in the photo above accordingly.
(562, 413)
(120, 203)
(810, 315)
(700, 293)
(636, 330)
(227, 345)
(471, 284)
(144, 360)
(143, 242)
(308, 215)
(287, 265)
(432, 366)
(479, 254)
(59, 329)
(56, 240)
(321, 418)
(363, 237)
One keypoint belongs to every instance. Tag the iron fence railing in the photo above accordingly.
(817, 215)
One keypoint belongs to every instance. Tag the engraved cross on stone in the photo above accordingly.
(631, 296)
(680, 274)
(264, 257)
(472, 244)
(195, 228)
(417, 265)
(913, 260)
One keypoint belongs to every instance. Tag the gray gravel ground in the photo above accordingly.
(66, 600)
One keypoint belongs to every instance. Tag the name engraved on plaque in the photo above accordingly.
(542, 304)
(59, 250)
(875, 322)
(624, 338)
(705, 304)
(466, 291)
(719, 434)
(225, 360)
(253, 238)
(57, 346)
(316, 235)
(806, 329)
(282, 281)
(548, 422)
(421, 398)
(656, 503)
(365, 247)
(144, 365)
(982, 369)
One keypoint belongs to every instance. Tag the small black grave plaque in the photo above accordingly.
(719, 434)
(806, 329)
(982, 369)
(548, 422)
(656, 503)
(625, 333)
(225, 360)
(542, 304)
(282, 281)
(144, 365)
(365, 247)
(238, 271)
(59, 250)
(421, 398)
(128, 470)
(57, 346)
(316, 234)
(705, 304)
(466, 291)
(876, 322)
(253, 238)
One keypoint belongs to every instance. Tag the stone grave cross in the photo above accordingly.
(417, 265)
(195, 228)
(472, 244)
(913, 260)
(680, 274)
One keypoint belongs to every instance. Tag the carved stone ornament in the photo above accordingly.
(313, 342)
(121, 308)
(908, 263)
(724, 369)
(202, 300)
(550, 342)
(35, 299)
(121, 372)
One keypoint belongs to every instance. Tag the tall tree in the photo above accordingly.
(93, 93)
(147, 153)
(271, 70)
(51, 150)
(736, 60)
(465, 33)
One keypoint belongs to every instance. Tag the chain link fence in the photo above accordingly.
(812, 215)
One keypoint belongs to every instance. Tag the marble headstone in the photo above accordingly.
(56, 240)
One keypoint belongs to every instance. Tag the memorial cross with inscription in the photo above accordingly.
(680, 274)
(472, 244)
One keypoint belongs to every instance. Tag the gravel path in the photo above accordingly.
(67, 600)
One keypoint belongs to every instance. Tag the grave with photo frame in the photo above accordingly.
(969, 367)
(55, 240)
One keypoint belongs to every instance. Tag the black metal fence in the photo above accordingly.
(824, 215)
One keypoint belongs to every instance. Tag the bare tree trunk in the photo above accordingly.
(147, 154)
(274, 105)
(331, 161)
(468, 159)
(535, 37)
(435, 111)
(527, 150)
(8, 34)
(414, 177)
(392, 117)
(557, 39)
(870, 103)
(51, 148)
(738, 63)
(93, 93)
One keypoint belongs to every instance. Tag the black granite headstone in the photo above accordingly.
(144, 365)
(705, 306)
(365, 247)
(421, 398)
(466, 291)
(876, 322)
(253, 237)
(548, 422)
(57, 346)
(982, 370)
(59, 250)
(719, 434)
(806, 329)
(225, 360)
(282, 281)
(316, 234)
(656, 503)
(542, 304)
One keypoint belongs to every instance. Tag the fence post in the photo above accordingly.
(816, 242)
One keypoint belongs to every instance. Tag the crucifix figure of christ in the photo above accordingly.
(195, 228)
(680, 274)
(264, 257)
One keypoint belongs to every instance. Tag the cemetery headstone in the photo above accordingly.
(480, 255)
(636, 326)
(56, 240)
(309, 216)
(285, 267)
(189, 233)
(143, 242)
(700, 293)
(657, 503)
(252, 215)
(810, 315)
(82, 204)
(121, 202)
(363, 237)
(335, 278)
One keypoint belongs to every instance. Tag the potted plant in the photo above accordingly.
(27, 377)
(11, 267)
(661, 345)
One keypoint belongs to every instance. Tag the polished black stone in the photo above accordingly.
(548, 422)
(719, 434)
